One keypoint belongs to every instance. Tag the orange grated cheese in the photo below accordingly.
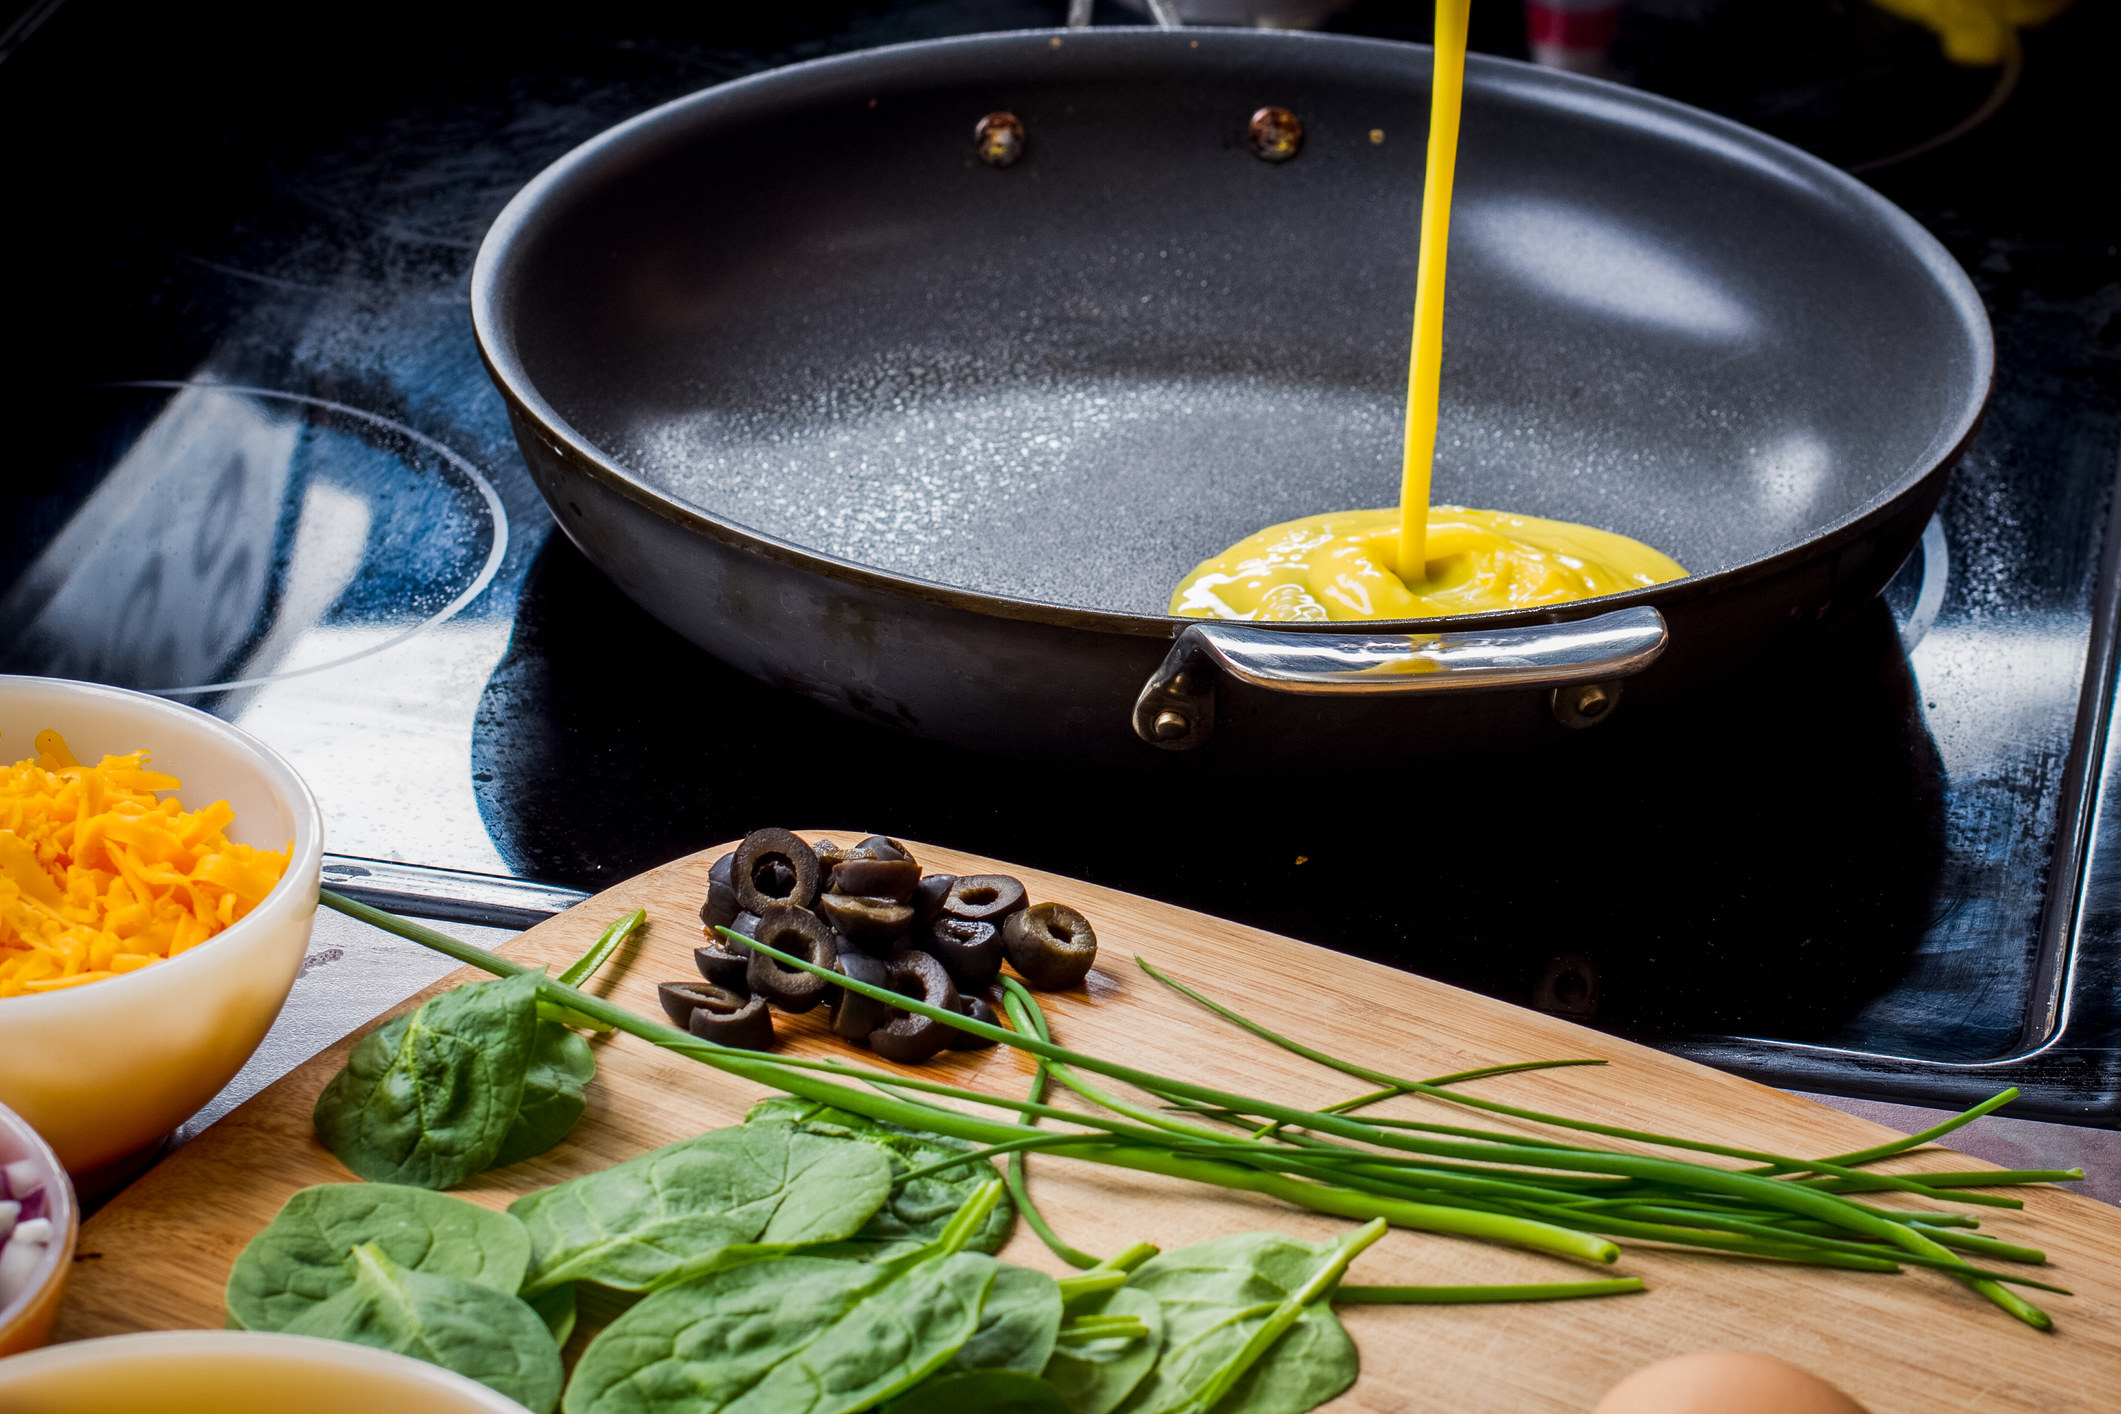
(99, 876)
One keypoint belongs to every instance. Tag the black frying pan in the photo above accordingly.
(930, 441)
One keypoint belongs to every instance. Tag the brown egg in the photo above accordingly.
(1725, 1382)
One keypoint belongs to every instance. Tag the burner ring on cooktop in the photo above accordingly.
(230, 545)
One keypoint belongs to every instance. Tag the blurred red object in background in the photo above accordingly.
(1572, 34)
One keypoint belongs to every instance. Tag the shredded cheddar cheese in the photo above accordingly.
(98, 876)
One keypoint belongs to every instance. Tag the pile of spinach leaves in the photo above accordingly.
(786, 1266)
(1237, 1325)
(482, 1076)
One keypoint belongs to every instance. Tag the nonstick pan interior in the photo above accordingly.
(800, 305)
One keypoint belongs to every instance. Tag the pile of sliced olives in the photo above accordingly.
(869, 913)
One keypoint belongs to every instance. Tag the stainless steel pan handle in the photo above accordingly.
(1582, 662)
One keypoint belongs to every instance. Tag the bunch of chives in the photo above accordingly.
(1561, 1198)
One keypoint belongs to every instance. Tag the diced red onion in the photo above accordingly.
(19, 1257)
(25, 1233)
(22, 1178)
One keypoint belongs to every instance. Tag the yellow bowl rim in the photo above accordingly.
(309, 1349)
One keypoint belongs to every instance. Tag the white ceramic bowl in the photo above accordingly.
(106, 1069)
(25, 1321)
(234, 1372)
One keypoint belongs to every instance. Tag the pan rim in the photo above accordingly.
(515, 229)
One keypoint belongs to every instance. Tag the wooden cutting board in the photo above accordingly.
(156, 1256)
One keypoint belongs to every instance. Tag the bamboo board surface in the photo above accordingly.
(157, 1255)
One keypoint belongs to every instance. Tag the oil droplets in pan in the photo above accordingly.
(1274, 134)
(998, 138)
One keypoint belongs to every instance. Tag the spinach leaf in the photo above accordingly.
(303, 1257)
(428, 1099)
(803, 1335)
(916, 1211)
(1215, 1295)
(1096, 1375)
(980, 1392)
(560, 1065)
(486, 1335)
(1017, 1326)
(555, 1306)
(730, 1195)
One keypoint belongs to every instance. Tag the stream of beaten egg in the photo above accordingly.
(1420, 561)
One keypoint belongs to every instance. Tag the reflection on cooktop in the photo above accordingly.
(295, 565)
(1673, 871)
(244, 536)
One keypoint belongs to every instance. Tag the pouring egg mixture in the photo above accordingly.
(1419, 561)
(1344, 565)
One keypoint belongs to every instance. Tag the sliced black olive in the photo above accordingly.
(875, 847)
(773, 866)
(984, 898)
(883, 847)
(803, 933)
(854, 1016)
(928, 899)
(970, 952)
(867, 922)
(978, 1010)
(721, 905)
(894, 879)
(1051, 944)
(745, 923)
(830, 857)
(681, 999)
(722, 967)
(909, 1037)
(730, 1020)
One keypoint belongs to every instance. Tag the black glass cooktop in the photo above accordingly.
(253, 461)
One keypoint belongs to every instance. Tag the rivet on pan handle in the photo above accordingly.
(1176, 709)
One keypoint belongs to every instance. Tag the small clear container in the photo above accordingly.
(26, 1320)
